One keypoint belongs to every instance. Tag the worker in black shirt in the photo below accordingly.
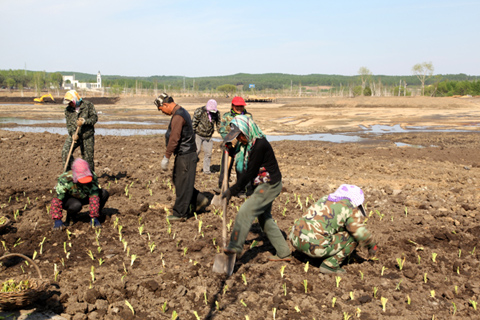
(257, 159)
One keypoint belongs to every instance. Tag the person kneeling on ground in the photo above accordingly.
(257, 159)
(333, 227)
(75, 189)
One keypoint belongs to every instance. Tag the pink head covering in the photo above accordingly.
(211, 107)
(350, 192)
(81, 171)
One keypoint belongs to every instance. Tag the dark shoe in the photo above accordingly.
(217, 190)
(202, 202)
(277, 258)
(95, 223)
(327, 270)
(58, 225)
(173, 218)
(242, 195)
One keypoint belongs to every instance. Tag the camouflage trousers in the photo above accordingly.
(87, 148)
(332, 248)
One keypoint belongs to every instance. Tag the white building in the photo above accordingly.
(70, 83)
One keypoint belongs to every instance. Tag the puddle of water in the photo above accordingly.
(98, 131)
(22, 121)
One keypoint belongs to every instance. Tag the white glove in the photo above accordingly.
(164, 163)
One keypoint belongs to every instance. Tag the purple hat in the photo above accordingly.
(211, 106)
(350, 192)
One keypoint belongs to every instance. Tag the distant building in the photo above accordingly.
(70, 83)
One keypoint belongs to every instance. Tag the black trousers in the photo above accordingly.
(184, 171)
(74, 205)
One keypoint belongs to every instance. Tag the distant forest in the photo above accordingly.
(269, 83)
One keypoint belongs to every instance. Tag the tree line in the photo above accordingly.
(364, 83)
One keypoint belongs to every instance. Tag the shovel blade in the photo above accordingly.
(224, 264)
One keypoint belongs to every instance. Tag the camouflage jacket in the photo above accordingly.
(87, 111)
(326, 218)
(65, 186)
(224, 128)
(201, 123)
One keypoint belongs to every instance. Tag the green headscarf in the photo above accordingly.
(252, 132)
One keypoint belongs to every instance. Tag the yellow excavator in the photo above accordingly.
(42, 98)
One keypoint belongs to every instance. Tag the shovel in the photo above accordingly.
(224, 263)
(70, 152)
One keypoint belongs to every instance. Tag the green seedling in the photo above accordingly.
(473, 251)
(200, 222)
(16, 214)
(115, 223)
(456, 289)
(65, 247)
(419, 259)
(125, 245)
(34, 254)
(229, 225)
(334, 299)
(185, 251)
(408, 300)
(196, 315)
(225, 289)
(375, 290)
(55, 272)
(243, 303)
(346, 316)
(306, 266)
(99, 249)
(383, 270)
(474, 304)
(434, 257)
(284, 286)
(459, 253)
(92, 273)
(284, 212)
(361, 275)
(164, 307)
(351, 295)
(254, 244)
(244, 278)
(133, 257)
(205, 297)
(130, 306)
(432, 293)
(358, 313)
(425, 278)
(90, 254)
(62, 261)
(100, 261)
(337, 281)
(454, 308)
(152, 246)
(297, 309)
(4, 245)
(400, 263)
(384, 303)
(282, 270)
(274, 312)
(41, 245)
(140, 229)
(458, 269)
(398, 285)
(18, 242)
(305, 285)
(217, 305)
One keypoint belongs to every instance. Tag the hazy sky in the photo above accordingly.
(208, 38)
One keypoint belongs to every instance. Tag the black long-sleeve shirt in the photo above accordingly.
(261, 155)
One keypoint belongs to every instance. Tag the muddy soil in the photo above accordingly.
(422, 204)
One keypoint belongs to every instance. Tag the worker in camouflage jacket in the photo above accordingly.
(237, 108)
(74, 189)
(79, 113)
(204, 121)
(333, 227)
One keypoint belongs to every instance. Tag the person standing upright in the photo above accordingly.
(237, 108)
(79, 113)
(204, 120)
(180, 141)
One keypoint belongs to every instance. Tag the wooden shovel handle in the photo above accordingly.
(226, 164)
(70, 152)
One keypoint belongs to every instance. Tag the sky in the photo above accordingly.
(214, 38)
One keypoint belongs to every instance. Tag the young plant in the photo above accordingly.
(305, 285)
(361, 275)
(408, 300)
(140, 229)
(254, 244)
(351, 295)
(334, 299)
(196, 315)
(133, 257)
(398, 285)
(55, 272)
(130, 307)
(419, 259)
(90, 254)
(375, 290)
(383, 270)
(41, 245)
(400, 263)
(474, 304)
(425, 278)
(100, 261)
(306, 266)
(152, 246)
(434, 257)
(164, 307)
(384, 303)
(454, 308)
(243, 303)
(284, 286)
(205, 297)
(337, 281)
(92, 273)
(185, 251)
(346, 316)
(432, 293)
(282, 270)
(244, 278)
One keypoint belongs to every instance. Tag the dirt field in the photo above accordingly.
(423, 205)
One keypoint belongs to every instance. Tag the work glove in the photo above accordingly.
(227, 194)
(164, 163)
(80, 122)
(58, 225)
(95, 223)
(372, 251)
